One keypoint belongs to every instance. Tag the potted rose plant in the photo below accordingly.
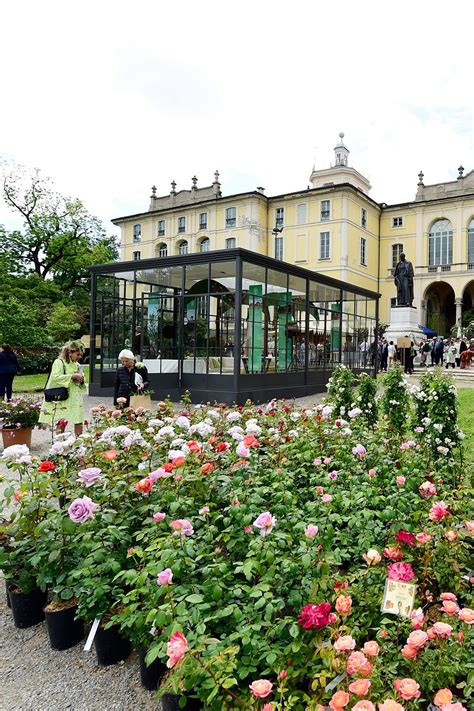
(18, 419)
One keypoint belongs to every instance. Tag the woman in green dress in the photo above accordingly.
(65, 373)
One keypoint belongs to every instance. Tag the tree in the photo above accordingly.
(60, 239)
(63, 324)
(19, 325)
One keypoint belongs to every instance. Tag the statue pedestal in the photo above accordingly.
(403, 322)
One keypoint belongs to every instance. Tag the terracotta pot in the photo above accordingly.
(22, 435)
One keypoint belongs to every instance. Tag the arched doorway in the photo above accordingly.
(440, 307)
(468, 309)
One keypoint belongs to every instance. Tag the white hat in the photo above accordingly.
(126, 354)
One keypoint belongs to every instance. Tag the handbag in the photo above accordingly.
(56, 394)
(140, 401)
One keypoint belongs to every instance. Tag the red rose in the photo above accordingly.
(314, 616)
(406, 537)
(222, 446)
(168, 467)
(46, 466)
(207, 468)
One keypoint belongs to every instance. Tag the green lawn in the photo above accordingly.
(466, 420)
(36, 383)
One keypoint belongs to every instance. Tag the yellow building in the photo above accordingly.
(332, 227)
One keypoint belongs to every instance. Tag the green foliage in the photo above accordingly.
(63, 324)
(395, 402)
(18, 325)
(365, 398)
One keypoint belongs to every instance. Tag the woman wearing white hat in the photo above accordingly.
(131, 378)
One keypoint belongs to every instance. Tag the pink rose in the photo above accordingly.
(158, 517)
(427, 489)
(448, 596)
(438, 511)
(314, 616)
(356, 662)
(466, 615)
(261, 688)
(400, 571)
(407, 688)
(176, 649)
(311, 531)
(417, 618)
(469, 525)
(401, 480)
(372, 557)
(441, 629)
(326, 498)
(159, 473)
(372, 473)
(242, 450)
(449, 607)
(339, 700)
(457, 706)
(409, 652)
(327, 460)
(265, 522)
(422, 537)
(393, 552)
(364, 705)
(333, 475)
(82, 509)
(343, 605)
(317, 462)
(451, 536)
(267, 707)
(417, 639)
(371, 649)
(204, 510)
(344, 644)
(89, 476)
(182, 527)
(165, 577)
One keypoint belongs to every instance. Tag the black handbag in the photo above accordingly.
(56, 394)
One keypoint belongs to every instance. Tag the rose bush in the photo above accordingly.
(248, 548)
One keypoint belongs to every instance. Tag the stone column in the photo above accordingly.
(458, 302)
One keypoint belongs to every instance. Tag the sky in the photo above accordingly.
(110, 98)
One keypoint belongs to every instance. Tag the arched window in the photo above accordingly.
(162, 250)
(397, 250)
(205, 245)
(183, 247)
(440, 243)
(470, 242)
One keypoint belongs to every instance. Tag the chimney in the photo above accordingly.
(260, 190)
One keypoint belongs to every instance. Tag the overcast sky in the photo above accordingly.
(109, 98)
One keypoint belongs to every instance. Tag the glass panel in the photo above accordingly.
(223, 275)
(197, 278)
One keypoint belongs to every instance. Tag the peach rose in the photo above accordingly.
(448, 596)
(356, 662)
(417, 618)
(364, 705)
(391, 705)
(466, 615)
(339, 700)
(407, 688)
(371, 649)
(372, 557)
(453, 707)
(417, 639)
(409, 652)
(344, 644)
(360, 687)
(261, 688)
(443, 696)
(343, 605)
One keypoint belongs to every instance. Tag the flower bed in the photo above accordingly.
(248, 548)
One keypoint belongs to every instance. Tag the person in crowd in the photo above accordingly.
(131, 378)
(450, 356)
(392, 354)
(457, 355)
(384, 355)
(66, 373)
(462, 349)
(409, 354)
(425, 351)
(9, 367)
(363, 350)
(438, 350)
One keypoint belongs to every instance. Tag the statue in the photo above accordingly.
(403, 278)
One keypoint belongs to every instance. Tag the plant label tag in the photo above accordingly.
(398, 598)
(90, 638)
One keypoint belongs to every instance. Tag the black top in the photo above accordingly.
(8, 363)
(125, 381)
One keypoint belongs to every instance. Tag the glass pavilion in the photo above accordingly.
(228, 325)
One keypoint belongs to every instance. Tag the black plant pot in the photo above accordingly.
(27, 608)
(64, 631)
(153, 674)
(170, 702)
(8, 585)
(110, 647)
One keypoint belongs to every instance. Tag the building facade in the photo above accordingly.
(332, 227)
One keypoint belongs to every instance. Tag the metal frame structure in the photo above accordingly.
(265, 363)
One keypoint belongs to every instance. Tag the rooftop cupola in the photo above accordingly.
(341, 152)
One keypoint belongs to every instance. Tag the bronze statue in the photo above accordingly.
(403, 278)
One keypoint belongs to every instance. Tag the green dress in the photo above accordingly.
(71, 409)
